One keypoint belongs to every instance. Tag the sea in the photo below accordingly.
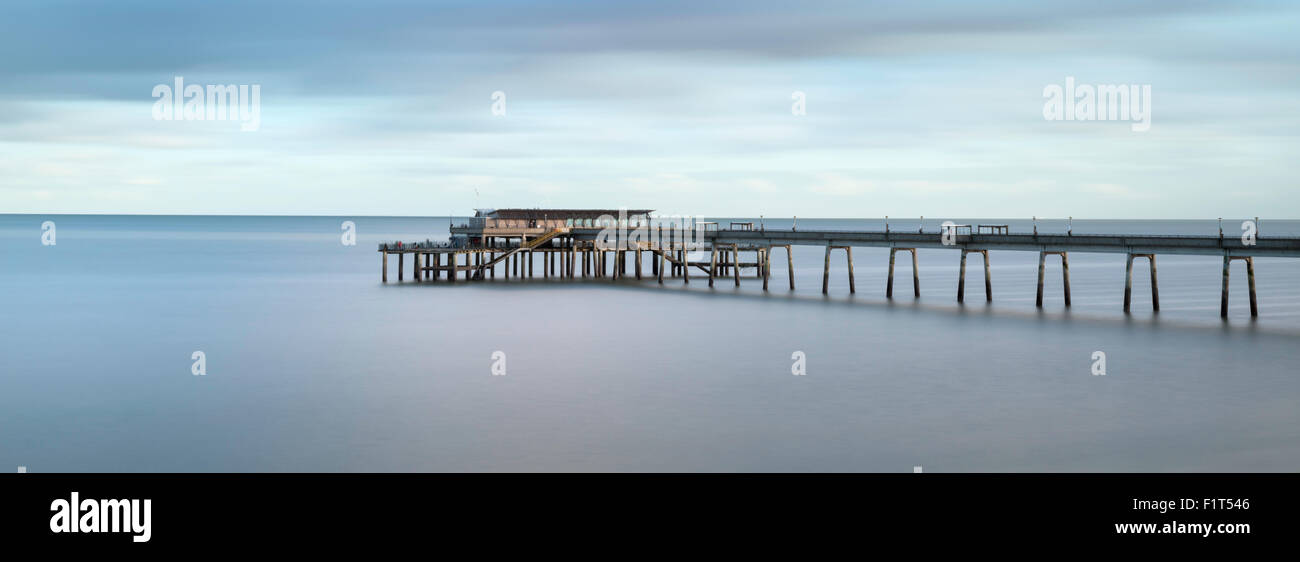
(310, 363)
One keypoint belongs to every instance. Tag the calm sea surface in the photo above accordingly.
(314, 365)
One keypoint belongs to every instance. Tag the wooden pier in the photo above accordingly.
(570, 246)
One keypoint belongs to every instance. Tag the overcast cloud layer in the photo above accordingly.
(913, 108)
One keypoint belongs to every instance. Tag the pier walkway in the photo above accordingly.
(569, 252)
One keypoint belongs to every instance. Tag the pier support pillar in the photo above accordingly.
(961, 277)
(713, 264)
(453, 260)
(401, 265)
(735, 255)
(663, 257)
(1250, 280)
(492, 273)
(416, 274)
(826, 268)
(848, 251)
(686, 266)
(789, 258)
(1128, 282)
(767, 272)
(638, 264)
(385, 276)
(916, 273)
(826, 271)
(1065, 272)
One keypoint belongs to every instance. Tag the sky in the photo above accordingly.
(911, 108)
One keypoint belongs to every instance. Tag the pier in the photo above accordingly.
(570, 245)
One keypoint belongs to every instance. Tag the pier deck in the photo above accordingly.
(570, 252)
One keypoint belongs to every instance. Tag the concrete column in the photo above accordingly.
(686, 265)
(713, 264)
(889, 286)
(961, 278)
(789, 256)
(1065, 276)
(849, 252)
(826, 272)
(766, 273)
(916, 275)
(1042, 272)
(735, 271)
(453, 260)
(416, 274)
(1223, 299)
(1155, 287)
(988, 278)
(663, 258)
(1250, 279)
(1128, 283)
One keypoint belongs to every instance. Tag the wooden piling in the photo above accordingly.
(385, 275)
(401, 265)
